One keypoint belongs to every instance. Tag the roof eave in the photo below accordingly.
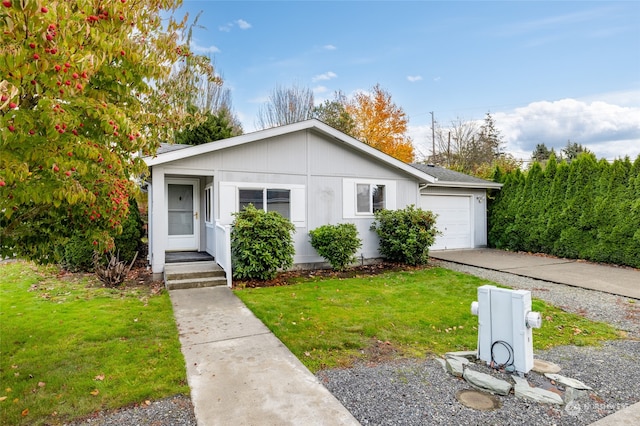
(470, 185)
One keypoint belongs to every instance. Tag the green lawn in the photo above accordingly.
(69, 347)
(334, 322)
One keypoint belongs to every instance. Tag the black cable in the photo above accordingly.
(510, 360)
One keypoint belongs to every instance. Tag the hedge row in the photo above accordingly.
(587, 209)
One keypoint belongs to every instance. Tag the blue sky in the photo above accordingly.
(548, 72)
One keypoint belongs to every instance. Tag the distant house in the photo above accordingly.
(311, 174)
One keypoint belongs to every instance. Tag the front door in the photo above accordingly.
(182, 214)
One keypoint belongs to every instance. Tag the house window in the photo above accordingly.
(369, 198)
(208, 200)
(278, 200)
(251, 196)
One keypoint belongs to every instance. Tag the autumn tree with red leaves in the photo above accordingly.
(83, 89)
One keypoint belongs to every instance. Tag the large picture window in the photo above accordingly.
(370, 198)
(278, 200)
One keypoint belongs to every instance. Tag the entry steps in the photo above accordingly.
(178, 276)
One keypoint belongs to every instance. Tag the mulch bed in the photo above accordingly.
(289, 277)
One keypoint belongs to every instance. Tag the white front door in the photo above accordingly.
(182, 214)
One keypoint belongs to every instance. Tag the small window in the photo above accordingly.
(369, 198)
(208, 199)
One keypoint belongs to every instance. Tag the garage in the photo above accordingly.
(454, 220)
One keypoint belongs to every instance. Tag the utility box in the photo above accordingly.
(505, 323)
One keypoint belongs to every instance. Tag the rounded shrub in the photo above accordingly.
(336, 243)
(261, 243)
(405, 235)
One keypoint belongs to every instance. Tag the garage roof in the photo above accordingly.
(446, 177)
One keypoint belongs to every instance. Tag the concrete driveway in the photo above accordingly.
(616, 280)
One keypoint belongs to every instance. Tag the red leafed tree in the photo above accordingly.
(85, 86)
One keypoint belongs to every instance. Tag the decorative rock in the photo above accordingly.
(442, 363)
(523, 390)
(455, 365)
(572, 394)
(567, 381)
(470, 355)
(540, 366)
(486, 382)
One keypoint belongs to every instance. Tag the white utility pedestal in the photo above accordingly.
(505, 321)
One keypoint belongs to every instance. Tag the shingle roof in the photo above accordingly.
(169, 147)
(446, 175)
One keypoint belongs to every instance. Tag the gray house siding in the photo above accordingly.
(303, 158)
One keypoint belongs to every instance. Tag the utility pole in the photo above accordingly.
(433, 139)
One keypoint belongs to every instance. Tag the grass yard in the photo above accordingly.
(69, 347)
(335, 322)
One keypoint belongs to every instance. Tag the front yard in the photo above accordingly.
(335, 322)
(69, 347)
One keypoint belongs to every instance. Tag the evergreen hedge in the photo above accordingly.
(586, 209)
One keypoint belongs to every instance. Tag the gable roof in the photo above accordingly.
(168, 153)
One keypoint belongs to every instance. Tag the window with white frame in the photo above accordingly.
(362, 197)
(208, 203)
(274, 199)
(370, 198)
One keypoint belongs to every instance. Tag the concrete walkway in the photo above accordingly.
(240, 373)
(609, 279)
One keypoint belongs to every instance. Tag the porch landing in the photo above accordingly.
(197, 274)
(187, 256)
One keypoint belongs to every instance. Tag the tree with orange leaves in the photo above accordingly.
(381, 123)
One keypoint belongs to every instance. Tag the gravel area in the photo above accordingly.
(419, 392)
(174, 411)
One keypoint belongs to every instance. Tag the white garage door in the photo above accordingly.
(454, 220)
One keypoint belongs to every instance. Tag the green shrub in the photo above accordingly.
(261, 243)
(77, 254)
(336, 243)
(405, 235)
(129, 242)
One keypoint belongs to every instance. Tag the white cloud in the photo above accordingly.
(607, 129)
(240, 23)
(203, 49)
(329, 47)
(436, 79)
(414, 78)
(326, 76)
(243, 25)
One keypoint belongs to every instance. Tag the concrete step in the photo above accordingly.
(195, 283)
(193, 275)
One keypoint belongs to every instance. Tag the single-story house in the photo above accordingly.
(311, 173)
